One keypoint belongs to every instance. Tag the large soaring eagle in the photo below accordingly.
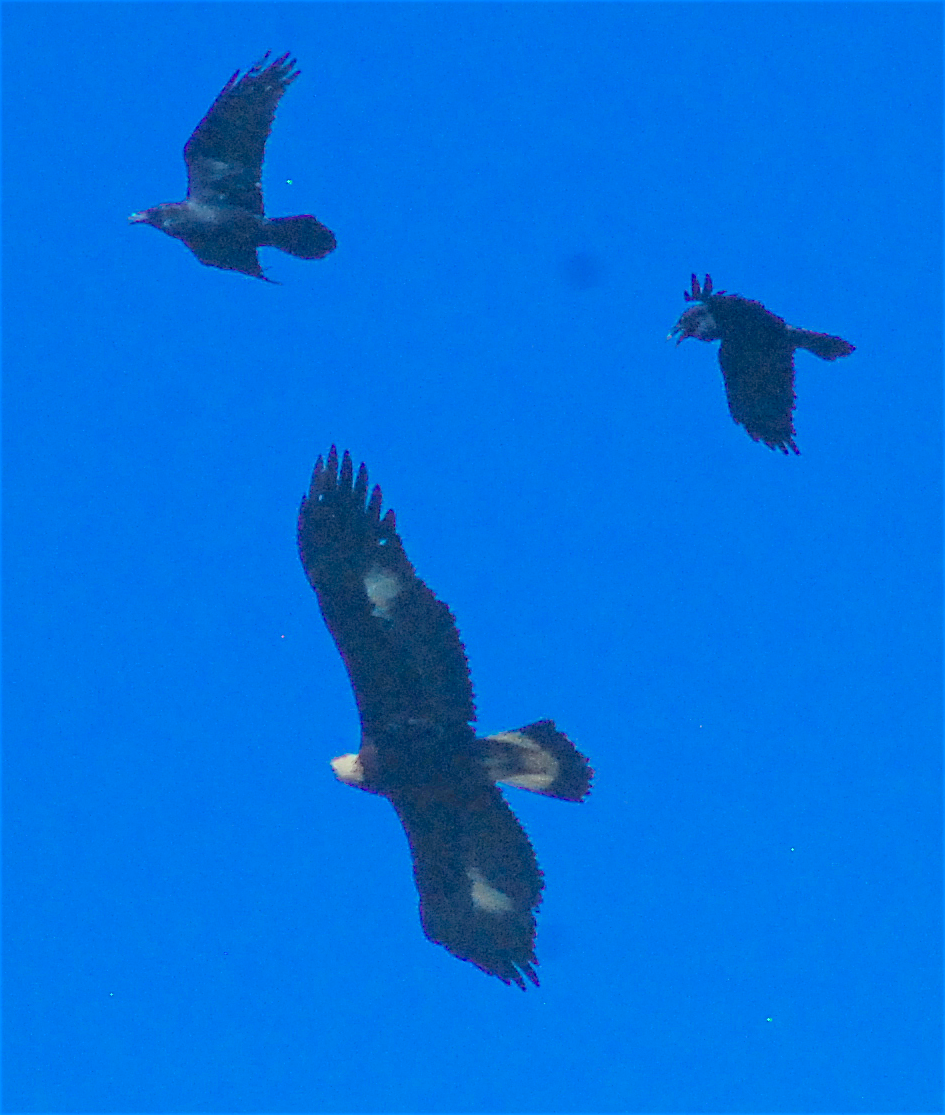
(222, 219)
(757, 358)
(475, 870)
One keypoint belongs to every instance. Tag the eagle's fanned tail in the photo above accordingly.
(540, 759)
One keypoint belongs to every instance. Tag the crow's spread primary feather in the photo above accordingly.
(222, 219)
(475, 870)
(756, 357)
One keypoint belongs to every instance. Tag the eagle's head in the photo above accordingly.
(697, 321)
(359, 771)
(347, 769)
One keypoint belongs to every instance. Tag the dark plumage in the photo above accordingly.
(756, 357)
(222, 219)
(475, 870)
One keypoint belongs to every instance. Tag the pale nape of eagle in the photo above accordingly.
(222, 219)
(756, 357)
(475, 870)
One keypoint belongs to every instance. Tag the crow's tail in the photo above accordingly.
(822, 344)
(299, 236)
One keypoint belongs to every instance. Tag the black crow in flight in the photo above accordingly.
(757, 358)
(222, 219)
(474, 867)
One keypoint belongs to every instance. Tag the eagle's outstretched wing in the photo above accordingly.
(224, 156)
(477, 877)
(399, 643)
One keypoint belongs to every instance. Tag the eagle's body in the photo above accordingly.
(475, 870)
(222, 219)
(756, 357)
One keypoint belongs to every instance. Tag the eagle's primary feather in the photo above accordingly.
(756, 357)
(222, 219)
(475, 870)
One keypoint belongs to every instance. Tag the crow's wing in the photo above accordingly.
(229, 257)
(224, 156)
(759, 385)
(399, 643)
(477, 877)
(757, 361)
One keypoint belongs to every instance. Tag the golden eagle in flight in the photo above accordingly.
(476, 873)
(756, 357)
(222, 219)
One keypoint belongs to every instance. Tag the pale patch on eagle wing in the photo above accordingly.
(486, 897)
(534, 767)
(382, 588)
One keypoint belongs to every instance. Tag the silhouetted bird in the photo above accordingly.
(222, 219)
(756, 357)
(475, 870)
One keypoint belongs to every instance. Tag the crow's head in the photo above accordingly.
(164, 217)
(146, 217)
(697, 321)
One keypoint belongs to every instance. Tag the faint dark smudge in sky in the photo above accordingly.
(582, 270)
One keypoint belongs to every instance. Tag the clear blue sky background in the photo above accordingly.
(744, 916)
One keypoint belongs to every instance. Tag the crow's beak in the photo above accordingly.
(137, 218)
(677, 328)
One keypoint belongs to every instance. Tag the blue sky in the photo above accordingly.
(745, 915)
